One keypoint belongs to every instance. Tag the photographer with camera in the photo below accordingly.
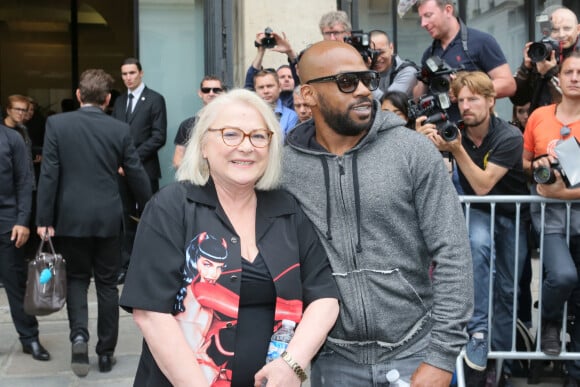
(546, 129)
(462, 47)
(396, 74)
(335, 25)
(536, 79)
(270, 40)
(488, 153)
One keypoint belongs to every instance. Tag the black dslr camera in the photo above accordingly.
(362, 42)
(542, 50)
(434, 107)
(436, 74)
(546, 175)
(268, 41)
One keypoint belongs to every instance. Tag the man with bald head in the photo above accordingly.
(537, 81)
(381, 200)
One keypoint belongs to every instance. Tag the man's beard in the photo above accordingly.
(341, 122)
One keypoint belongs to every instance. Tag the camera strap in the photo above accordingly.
(463, 34)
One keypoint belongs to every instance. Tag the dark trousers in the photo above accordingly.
(561, 284)
(131, 212)
(13, 275)
(100, 257)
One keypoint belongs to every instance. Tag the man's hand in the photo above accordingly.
(430, 376)
(258, 41)
(528, 64)
(282, 44)
(19, 235)
(446, 146)
(546, 65)
(121, 171)
(43, 231)
(428, 129)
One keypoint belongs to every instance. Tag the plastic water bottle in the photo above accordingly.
(394, 379)
(279, 342)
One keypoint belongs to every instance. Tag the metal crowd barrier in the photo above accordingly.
(535, 354)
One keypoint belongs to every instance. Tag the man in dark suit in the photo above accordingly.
(15, 204)
(144, 110)
(80, 203)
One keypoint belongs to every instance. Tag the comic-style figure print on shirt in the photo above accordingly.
(201, 296)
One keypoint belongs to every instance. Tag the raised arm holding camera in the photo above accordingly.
(536, 79)
(270, 40)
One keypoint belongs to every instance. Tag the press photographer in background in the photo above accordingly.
(548, 128)
(462, 47)
(536, 79)
(270, 40)
(396, 74)
(488, 152)
(429, 113)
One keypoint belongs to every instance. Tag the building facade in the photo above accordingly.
(45, 45)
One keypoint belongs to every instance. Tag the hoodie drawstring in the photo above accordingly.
(327, 189)
(356, 200)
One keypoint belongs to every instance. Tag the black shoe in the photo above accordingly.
(106, 363)
(121, 277)
(37, 351)
(550, 338)
(80, 356)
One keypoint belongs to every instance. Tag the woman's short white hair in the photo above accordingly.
(195, 168)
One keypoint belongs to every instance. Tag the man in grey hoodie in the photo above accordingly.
(384, 206)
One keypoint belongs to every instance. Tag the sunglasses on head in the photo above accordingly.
(216, 90)
(348, 82)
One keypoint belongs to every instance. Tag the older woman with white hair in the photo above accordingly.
(221, 257)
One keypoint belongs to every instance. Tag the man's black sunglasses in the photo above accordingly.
(348, 82)
(216, 90)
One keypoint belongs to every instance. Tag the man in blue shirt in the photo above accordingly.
(267, 86)
(462, 47)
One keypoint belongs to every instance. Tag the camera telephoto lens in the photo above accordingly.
(544, 175)
(448, 131)
(539, 51)
(440, 85)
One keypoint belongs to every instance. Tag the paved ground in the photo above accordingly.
(20, 370)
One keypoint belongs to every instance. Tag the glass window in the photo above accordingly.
(38, 56)
(507, 22)
(172, 54)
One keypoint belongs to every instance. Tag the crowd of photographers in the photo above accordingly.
(449, 96)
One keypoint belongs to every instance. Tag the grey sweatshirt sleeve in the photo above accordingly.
(444, 230)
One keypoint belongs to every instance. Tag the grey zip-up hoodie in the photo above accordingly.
(385, 211)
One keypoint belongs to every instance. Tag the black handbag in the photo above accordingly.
(46, 282)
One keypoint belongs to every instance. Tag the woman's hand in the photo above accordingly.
(278, 374)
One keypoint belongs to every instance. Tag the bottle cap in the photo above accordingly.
(392, 376)
(288, 323)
